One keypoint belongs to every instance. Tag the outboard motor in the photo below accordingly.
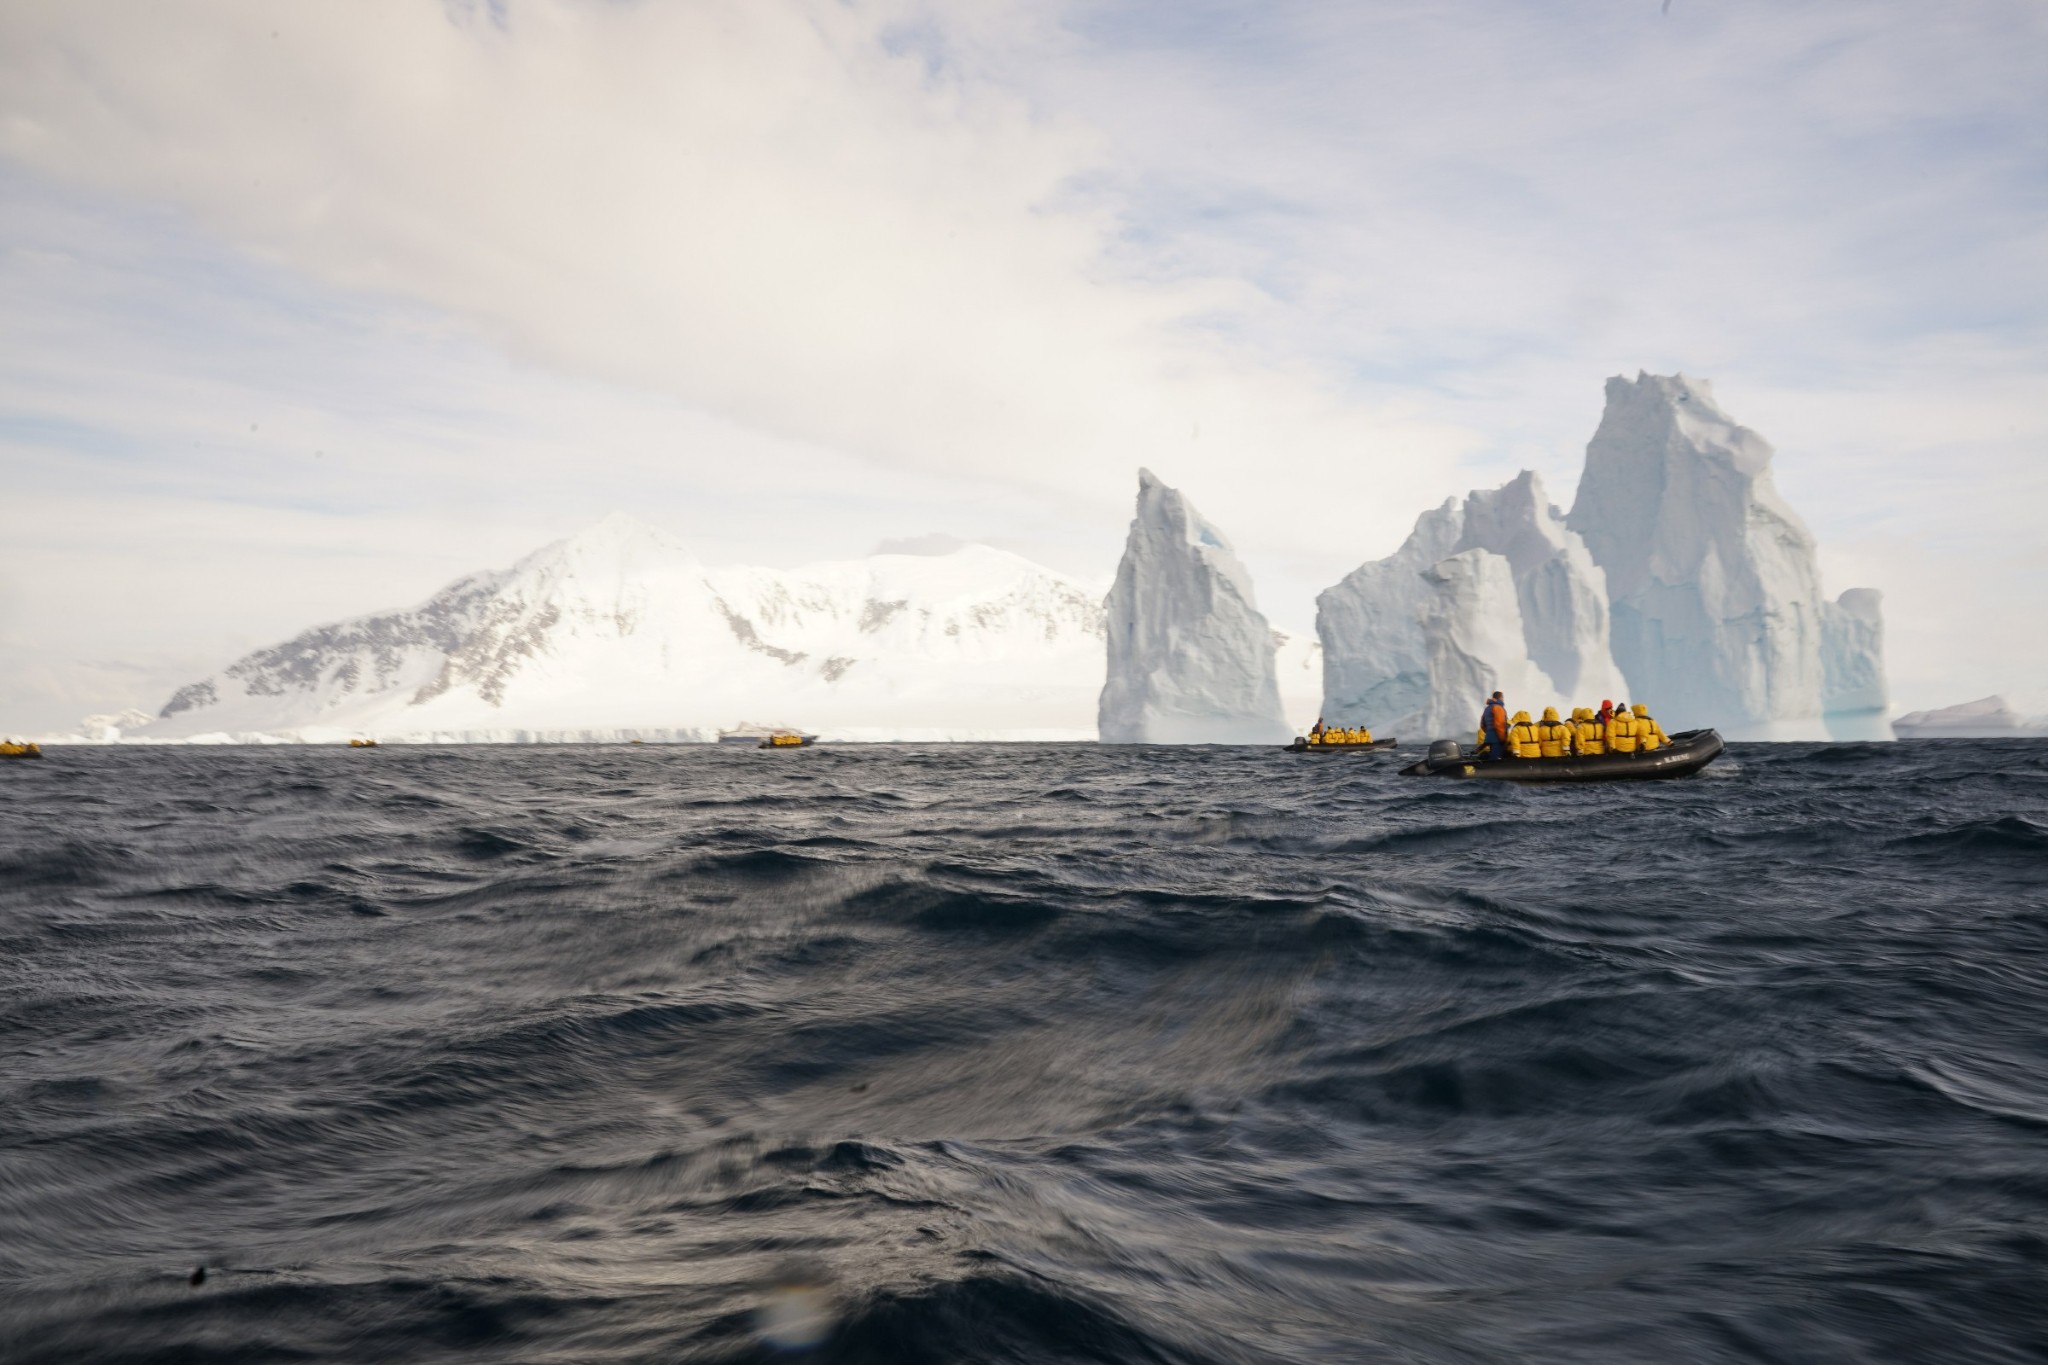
(1444, 751)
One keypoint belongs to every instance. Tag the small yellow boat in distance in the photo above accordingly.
(787, 740)
(20, 748)
(362, 744)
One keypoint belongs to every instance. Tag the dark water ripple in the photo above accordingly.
(1033, 1054)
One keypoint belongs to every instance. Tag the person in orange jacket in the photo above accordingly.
(1493, 726)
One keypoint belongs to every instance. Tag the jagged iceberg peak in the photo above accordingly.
(1376, 625)
(1471, 620)
(1561, 592)
(1190, 657)
(1375, 655)
(1711, 578)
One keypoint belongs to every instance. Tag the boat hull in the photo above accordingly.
(1304, 747)
(1687, 753)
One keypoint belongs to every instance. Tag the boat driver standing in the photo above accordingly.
(1493, 726)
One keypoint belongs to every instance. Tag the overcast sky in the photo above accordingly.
(305, 310)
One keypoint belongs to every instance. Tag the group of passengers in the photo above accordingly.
(1338, 734)
(1611, 729)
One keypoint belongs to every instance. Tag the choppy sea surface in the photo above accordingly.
(1020, 1053)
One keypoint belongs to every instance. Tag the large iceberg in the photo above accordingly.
(1190, 657)
(620, 633)
(1384, 663)
(1711, 577)
(1472, 622)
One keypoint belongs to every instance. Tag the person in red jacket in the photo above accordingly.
(1606, 712)
(1493, 726)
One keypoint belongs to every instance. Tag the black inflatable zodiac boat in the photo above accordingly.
(1687, 753)
(1302, 746)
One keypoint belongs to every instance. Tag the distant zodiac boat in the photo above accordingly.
(1302, 746)
(1687, 752)
(20, 749)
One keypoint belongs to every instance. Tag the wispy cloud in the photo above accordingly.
(999, 254)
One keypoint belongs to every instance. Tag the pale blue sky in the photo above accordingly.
(296, 326)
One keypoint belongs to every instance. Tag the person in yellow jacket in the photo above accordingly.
(1649, 734)
(1553, 736)
(1522, 741)
(1621, 731)
(1591, 735)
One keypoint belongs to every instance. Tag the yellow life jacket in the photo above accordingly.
(1349, 736)
(1621, 733)
(1649, 734)
(1555, 738)
(1591, 737)
(1364, 736)
(1522, 742)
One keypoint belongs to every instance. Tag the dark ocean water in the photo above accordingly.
(1033, 1054)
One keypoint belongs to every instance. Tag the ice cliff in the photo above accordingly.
(1472, 623)
(1715, 594)
(1853, 698)
(1561, 592)
(619, 632)
(1386, 660)
(1375, 655)
(1190, 657)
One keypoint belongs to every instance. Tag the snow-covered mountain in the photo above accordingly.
(619, 632)
(1191, 659)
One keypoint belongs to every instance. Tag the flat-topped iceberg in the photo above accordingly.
(1190, 656)
(1984, 718)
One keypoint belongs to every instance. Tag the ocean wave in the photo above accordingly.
(1060, 1054)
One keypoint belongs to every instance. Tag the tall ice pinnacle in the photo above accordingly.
(1190, 657)
(1715, 594)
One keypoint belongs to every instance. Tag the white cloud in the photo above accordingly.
(964, 267)
(769, 211)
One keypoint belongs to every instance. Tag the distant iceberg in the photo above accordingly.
(1985, 718)
(1191, 659)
